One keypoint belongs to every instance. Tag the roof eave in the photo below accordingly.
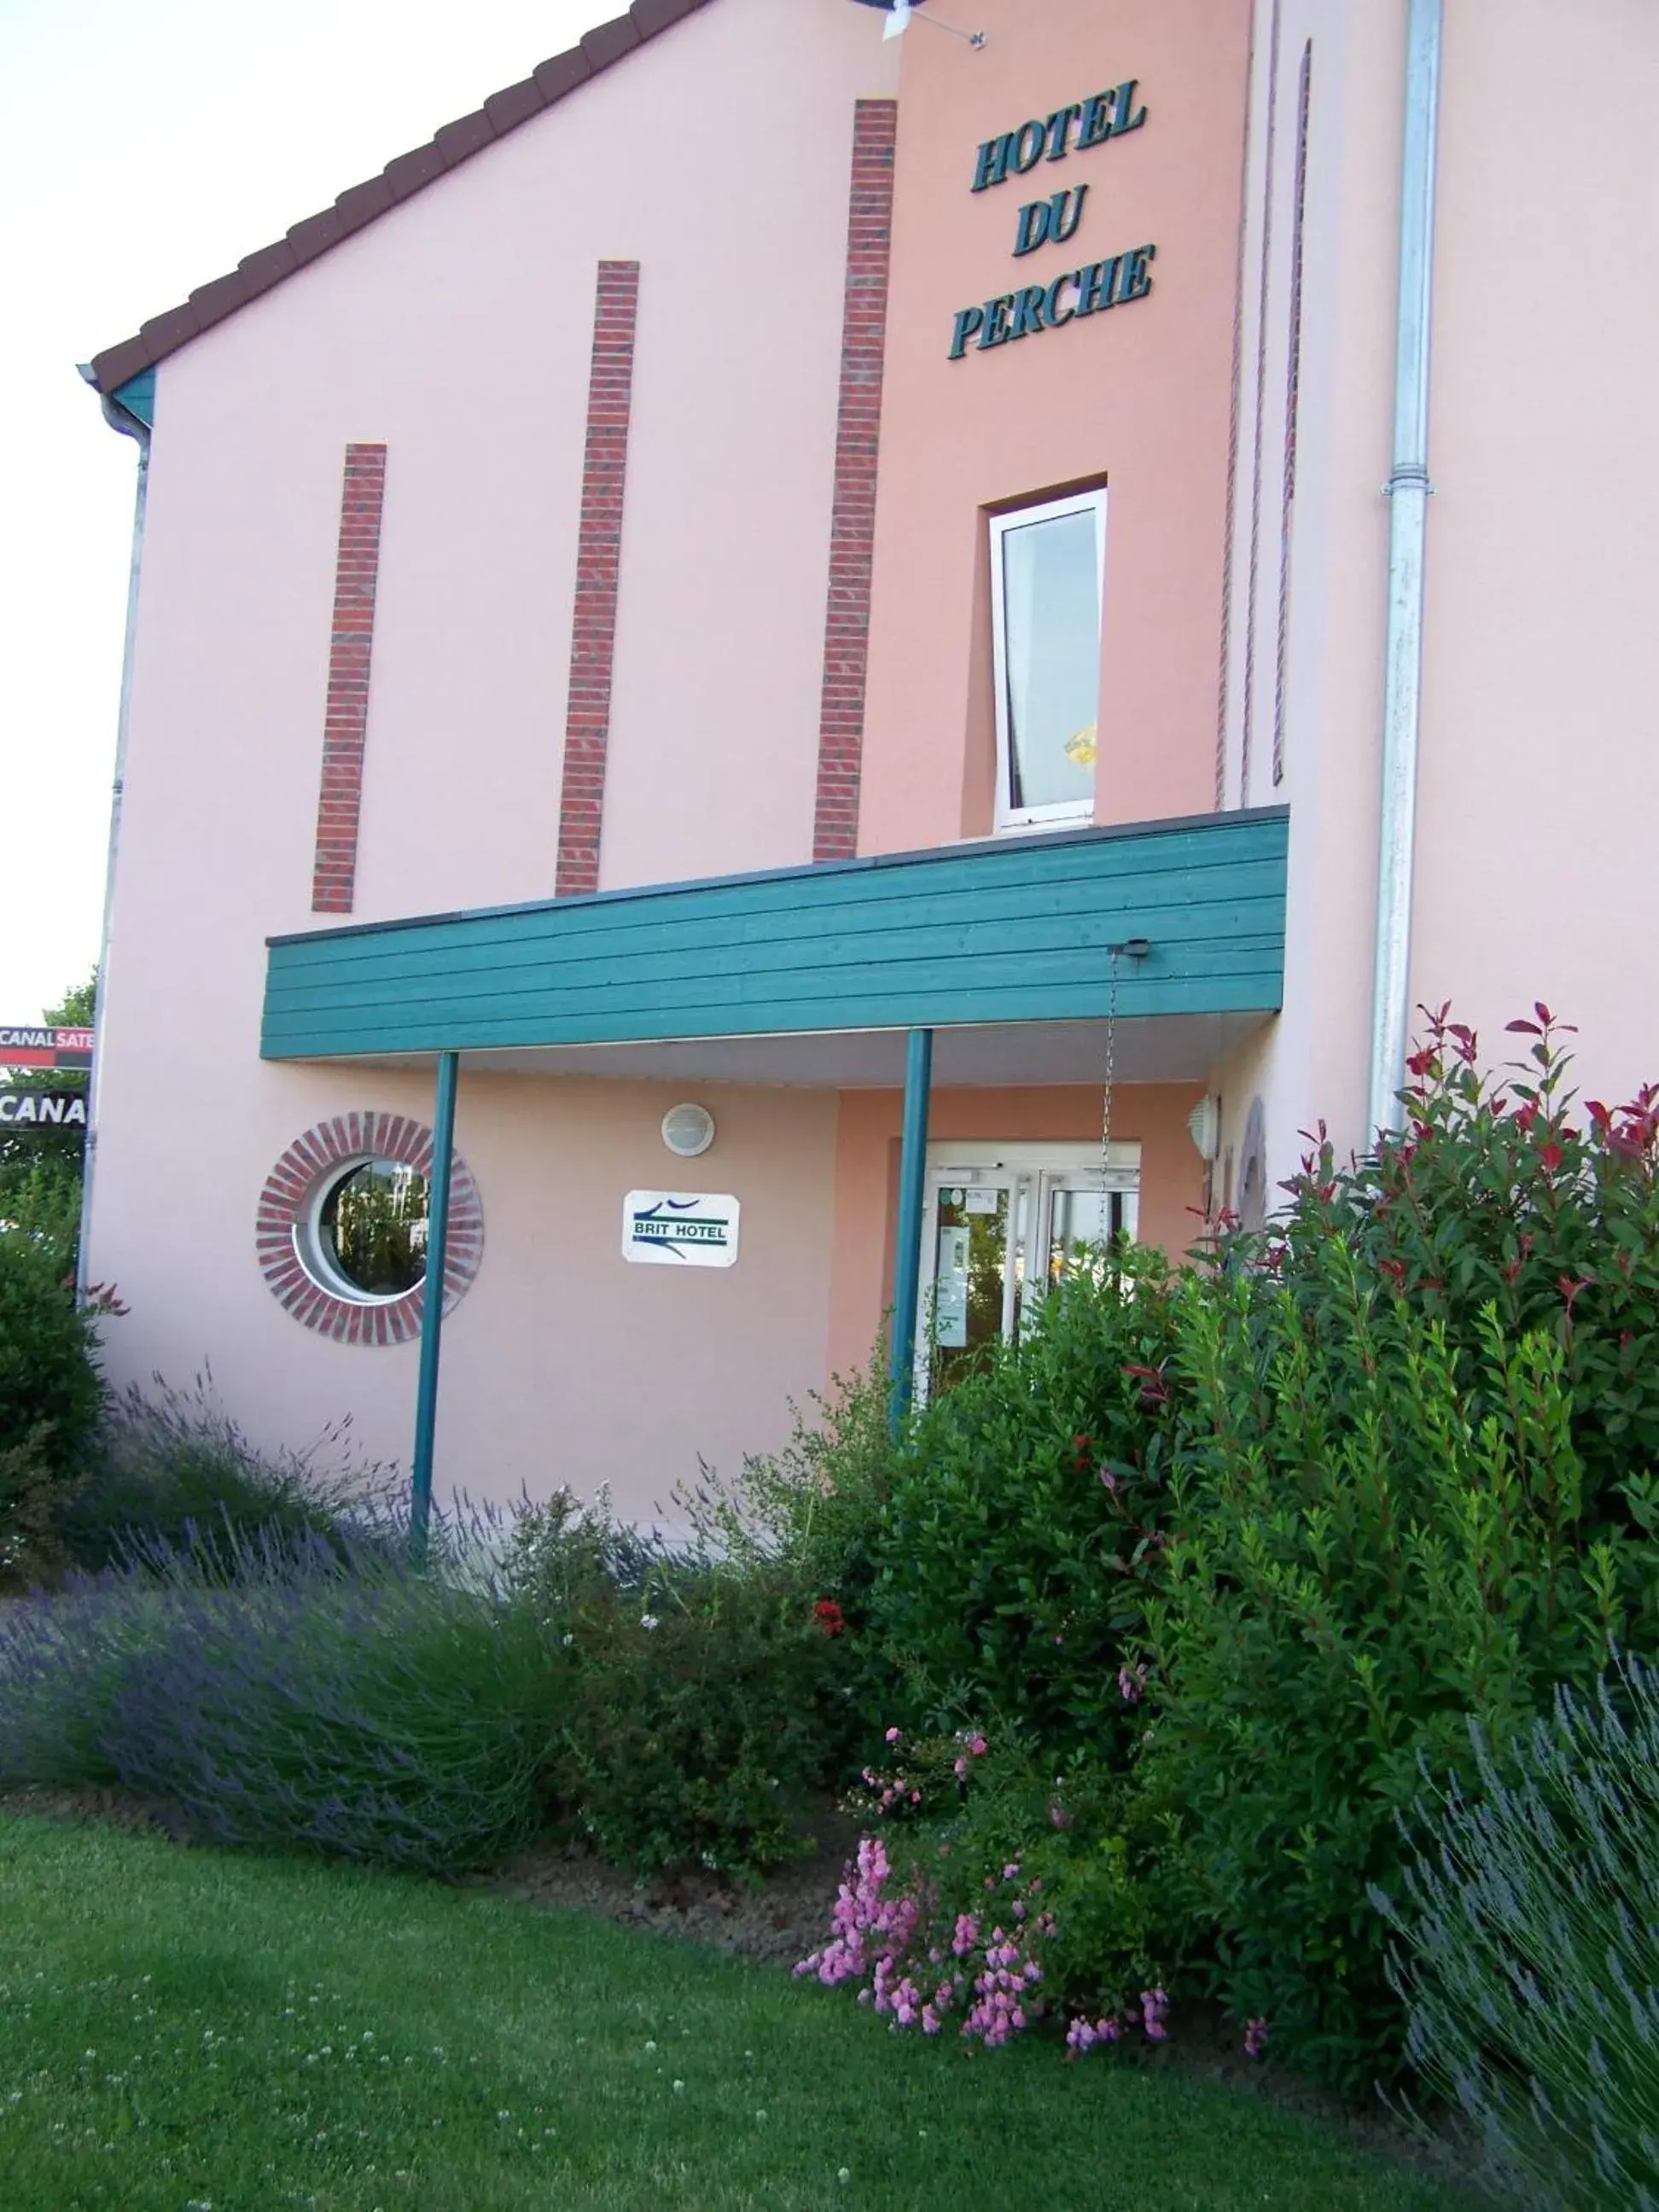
(600, 49)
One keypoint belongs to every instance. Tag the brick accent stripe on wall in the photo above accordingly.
(345, 718)
(853, 523)
(598, 572)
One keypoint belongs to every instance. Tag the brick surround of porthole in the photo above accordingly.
(853, 515)
(598, 577)
(350, 650)
(291, 1190)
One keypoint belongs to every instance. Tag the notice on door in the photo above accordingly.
(680, 1228)
(951, 1290)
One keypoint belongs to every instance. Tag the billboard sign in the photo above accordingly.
(43, 1109)
(31, 1045)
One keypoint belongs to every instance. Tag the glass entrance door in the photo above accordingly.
(1000, 1220)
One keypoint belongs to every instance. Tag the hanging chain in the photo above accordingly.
(1111, 1066)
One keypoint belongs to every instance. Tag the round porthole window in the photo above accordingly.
(368, 1230)
(343, 1223)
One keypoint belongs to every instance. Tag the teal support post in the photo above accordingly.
(907, 1260)
(431, 1312)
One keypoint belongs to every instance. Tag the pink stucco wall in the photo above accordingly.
(1139, 397)
(563, 1363)
(1540, 738)
(1312, 1064)
(1538, 778)
(457, 329)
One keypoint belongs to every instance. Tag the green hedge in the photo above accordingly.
(51, 1399)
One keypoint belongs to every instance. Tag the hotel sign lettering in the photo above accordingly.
(1054, 219)
(680, 1228)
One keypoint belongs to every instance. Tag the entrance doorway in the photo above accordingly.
(1000, 1220)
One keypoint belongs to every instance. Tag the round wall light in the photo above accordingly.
(688, 1131)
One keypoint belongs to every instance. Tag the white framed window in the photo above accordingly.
(363, 1238)
(1048, 580)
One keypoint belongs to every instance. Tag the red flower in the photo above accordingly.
(1552, 1156)
(827, 1614)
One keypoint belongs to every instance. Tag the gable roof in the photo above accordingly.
(400, 179)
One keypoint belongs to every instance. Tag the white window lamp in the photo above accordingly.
(1048, 580)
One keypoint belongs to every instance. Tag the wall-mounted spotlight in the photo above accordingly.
(1204, 1125)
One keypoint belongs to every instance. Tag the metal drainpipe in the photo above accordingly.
(129, 425)
(1407, 489)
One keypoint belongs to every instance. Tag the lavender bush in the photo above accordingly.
(170, 1468)
(1527, 1950)
(308, 1692)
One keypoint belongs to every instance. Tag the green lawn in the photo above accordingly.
(183, 2029)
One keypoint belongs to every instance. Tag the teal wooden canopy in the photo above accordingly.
(1016, 930)
(1164, 919)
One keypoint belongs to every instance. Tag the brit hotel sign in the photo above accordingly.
(1030, 309)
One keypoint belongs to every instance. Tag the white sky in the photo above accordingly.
(143, 151)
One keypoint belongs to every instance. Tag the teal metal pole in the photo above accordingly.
(431, 1312)
(907, 1263)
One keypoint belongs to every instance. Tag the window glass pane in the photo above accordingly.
(1051, 654)
(971, 1255)
(1080, 1223)
(372, 1228)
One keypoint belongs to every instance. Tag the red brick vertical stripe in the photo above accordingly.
(345, 719)
(598, 569)
(853, 522)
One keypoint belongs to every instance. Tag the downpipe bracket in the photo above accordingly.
(1411, 476)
